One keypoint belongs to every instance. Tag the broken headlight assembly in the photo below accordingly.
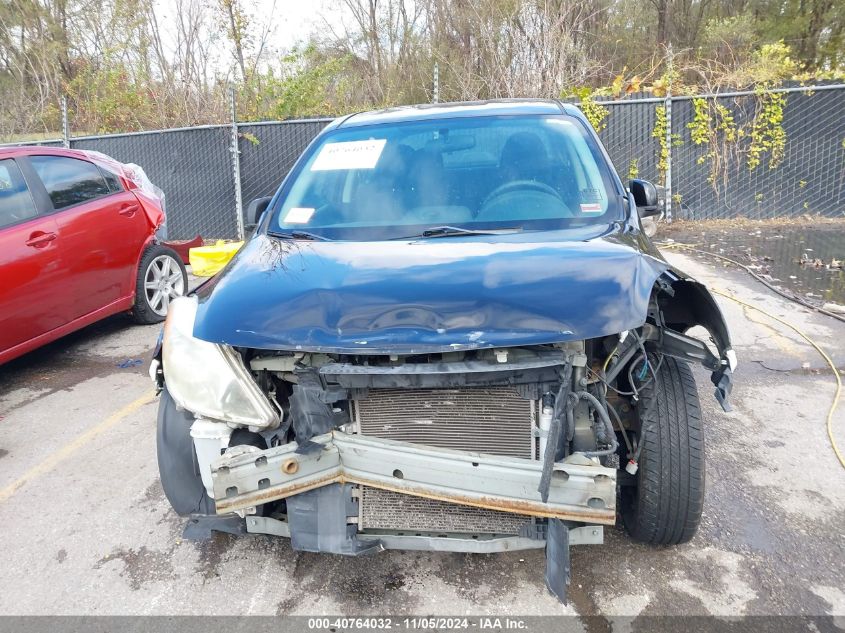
(208, 379)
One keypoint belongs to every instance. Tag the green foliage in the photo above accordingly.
(659, 132)
(50, 117)
(661, 127)
(767, 133)
(725, 123)
(252, 138)
(593, 110)
(304, 88)
(825, 74)
(700, 126)
(770, 65)
(107, 99)
(726, 35)
(633, 169)
(714, 126)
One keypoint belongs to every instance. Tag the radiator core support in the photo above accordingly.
(581, 490)
(491, 420)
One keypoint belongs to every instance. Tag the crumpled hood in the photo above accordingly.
(428, 295)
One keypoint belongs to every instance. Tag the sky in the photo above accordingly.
(294, 19)
(291, 21)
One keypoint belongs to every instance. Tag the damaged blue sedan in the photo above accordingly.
(448, 332)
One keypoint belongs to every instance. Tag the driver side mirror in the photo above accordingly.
(645, 197)
(255, 209)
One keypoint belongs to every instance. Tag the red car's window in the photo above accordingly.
(15, 200)
(69, 181)
(112, 180)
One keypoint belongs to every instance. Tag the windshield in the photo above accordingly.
(400, 179)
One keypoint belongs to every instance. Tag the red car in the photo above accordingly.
(77, 244)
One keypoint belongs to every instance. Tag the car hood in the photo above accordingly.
(429, 295)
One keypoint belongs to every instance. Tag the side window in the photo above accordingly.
(69, 181)
(16, 203)
(111, 180)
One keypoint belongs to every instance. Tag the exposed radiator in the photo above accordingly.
(386, 510)
(493, 420)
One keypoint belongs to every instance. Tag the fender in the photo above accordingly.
(151, 239)
(680, 303)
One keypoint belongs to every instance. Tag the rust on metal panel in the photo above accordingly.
(516, 506)
(273, 494)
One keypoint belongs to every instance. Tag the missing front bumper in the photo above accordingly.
(581, 490)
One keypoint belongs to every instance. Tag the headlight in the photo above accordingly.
(209, 379)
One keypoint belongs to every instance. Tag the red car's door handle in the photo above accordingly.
(40, 239)
(129, 210)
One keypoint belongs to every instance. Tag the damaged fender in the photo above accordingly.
(681, 303)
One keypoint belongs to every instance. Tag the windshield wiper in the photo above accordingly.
(299, 235)
(452, 231)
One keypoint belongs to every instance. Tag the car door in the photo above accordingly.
(101, 226)
(31, 276)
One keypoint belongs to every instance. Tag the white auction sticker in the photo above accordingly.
(592, 207)
(349, 155)
(299, 215)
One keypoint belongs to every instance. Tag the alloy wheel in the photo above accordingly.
(163, 282)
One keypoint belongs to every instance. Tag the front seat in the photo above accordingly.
(524, 157)
(382, 200)
(524, 160)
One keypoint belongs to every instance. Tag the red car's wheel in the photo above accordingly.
(161, 278)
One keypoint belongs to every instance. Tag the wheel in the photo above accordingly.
(161, 278)
(177, 462)
(664, 507)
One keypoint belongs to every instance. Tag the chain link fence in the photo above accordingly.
(806, 176)
(627, 137)
(269, 150)
(757, 155)
(709, 160)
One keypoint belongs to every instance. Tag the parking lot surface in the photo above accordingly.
(87, 530)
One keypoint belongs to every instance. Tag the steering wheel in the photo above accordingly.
(517, 185)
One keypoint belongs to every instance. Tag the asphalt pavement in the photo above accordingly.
(87, 530)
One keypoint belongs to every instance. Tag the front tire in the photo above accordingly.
(664, 507)
(161, 278)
